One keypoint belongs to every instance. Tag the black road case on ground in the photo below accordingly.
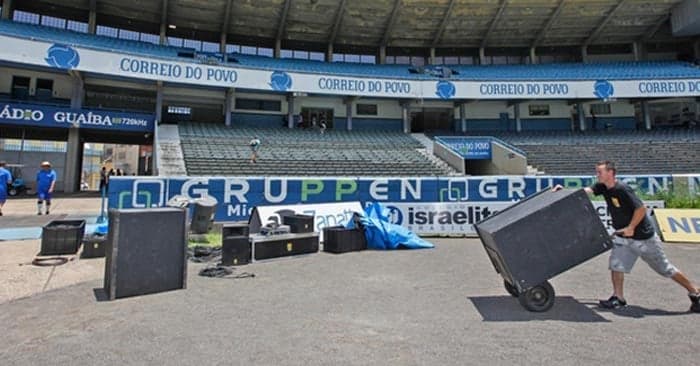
(283, 245)
(540, 237)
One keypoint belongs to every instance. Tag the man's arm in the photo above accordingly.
(637, 217)
(53, 184)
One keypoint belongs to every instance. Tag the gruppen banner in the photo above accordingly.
(237, 196)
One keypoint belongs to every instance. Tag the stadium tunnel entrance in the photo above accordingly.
(76, 154)
(432, 119)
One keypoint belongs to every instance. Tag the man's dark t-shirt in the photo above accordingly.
(622, 202)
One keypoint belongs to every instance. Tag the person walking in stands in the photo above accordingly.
(5, 181)
(323, 126)
(104, 179)
(45, 183)
(254, 146)
(635, 237)
(594, 121)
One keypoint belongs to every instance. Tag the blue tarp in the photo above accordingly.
(383, 235)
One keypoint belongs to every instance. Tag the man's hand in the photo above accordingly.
(626, 232)
(558, 187)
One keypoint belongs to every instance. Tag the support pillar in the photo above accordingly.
(290, 111)
(463, 117)
(159, 102)
(77, 93)
(581, 116)
(7, 9)
(406, 118)
(516, 114)
(277, 53)
(382, 55)
(92, 21)
(329, 53)
(228, 106)
(646, 115)
(348, 113)
(71, 183)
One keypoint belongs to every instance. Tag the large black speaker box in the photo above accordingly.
(235, 250)
(146, 251)
(542, 236)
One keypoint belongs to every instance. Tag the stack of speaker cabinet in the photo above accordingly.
(301, 240)
(145, 252)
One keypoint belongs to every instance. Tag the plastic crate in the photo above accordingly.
(61, 237)
(338, 239)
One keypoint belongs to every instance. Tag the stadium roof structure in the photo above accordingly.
(390, 23)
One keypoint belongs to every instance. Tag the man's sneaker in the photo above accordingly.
(39, 213)
(47, 212)
(613, 302)
(694, 302)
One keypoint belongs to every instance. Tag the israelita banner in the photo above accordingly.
(452, 218)
(179, 70)
(57, 117)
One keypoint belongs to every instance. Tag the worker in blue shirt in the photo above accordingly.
(45, 184)
(5, 180)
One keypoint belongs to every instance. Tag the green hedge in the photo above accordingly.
(674, 200)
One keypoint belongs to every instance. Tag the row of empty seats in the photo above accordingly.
(563, 71)
(212, 149)
(74, 38)
(663, 151)
(630, 157)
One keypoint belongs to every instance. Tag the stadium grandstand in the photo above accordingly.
(347, 88)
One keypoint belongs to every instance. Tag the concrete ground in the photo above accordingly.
(442, 306)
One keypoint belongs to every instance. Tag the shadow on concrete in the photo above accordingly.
(508, 309)
(638, 312)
